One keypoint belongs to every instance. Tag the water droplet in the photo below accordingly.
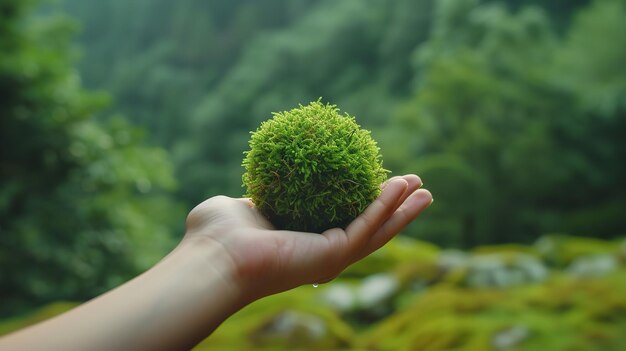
(315, 285)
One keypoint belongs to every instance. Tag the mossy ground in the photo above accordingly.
(562, 313)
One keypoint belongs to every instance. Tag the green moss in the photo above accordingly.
(560, 250)
(512, 249)
(564, 313)
(402, 255)
(311, 168)
(248, 328)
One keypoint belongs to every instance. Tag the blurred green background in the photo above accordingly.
(117, 117)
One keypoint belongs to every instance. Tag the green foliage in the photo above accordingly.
(511, 112)
(311, 169)
(78, 198)
(299, 52)
(502, 107)
(600, 80)
(496, 131)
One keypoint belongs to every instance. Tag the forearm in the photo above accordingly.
(172, 306)
(231, 256)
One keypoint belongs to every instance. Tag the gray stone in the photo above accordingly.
(534, 269)
(510, 337)
(494, 270)
(593, 266)
(376, 289)
(290, 325)
(450, 260)
(340, 297)
(484, 271)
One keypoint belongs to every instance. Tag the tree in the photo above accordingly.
(494, 132)
(79, 199)
(590, 67)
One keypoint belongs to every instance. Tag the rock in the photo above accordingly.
(292, 328)
(485, 270)
(534, 270)
(376, 289)
(510, 337)
(503, 277)
(340, 297)
(452, 259)
(495, 270)
(563, 250)
(593, 266)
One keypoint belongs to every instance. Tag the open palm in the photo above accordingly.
(269, 260)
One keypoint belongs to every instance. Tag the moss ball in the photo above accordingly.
(312, 169)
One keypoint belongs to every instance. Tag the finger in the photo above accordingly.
(384, 184)
(339, 241)
(414, 182)
(366, 224)
(405, 214)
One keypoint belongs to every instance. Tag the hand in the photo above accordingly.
(266, 261)
(230, 256)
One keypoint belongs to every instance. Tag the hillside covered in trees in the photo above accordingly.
(512, 112)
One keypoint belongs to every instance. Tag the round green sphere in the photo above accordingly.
(312, 169)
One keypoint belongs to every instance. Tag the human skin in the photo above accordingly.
(229, 257)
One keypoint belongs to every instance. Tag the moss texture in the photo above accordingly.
(311, 168)
(561, 313)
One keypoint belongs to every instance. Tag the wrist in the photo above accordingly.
(194, 288)
(208, 264)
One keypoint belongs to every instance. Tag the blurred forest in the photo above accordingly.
(117, 117)
(512, 112)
